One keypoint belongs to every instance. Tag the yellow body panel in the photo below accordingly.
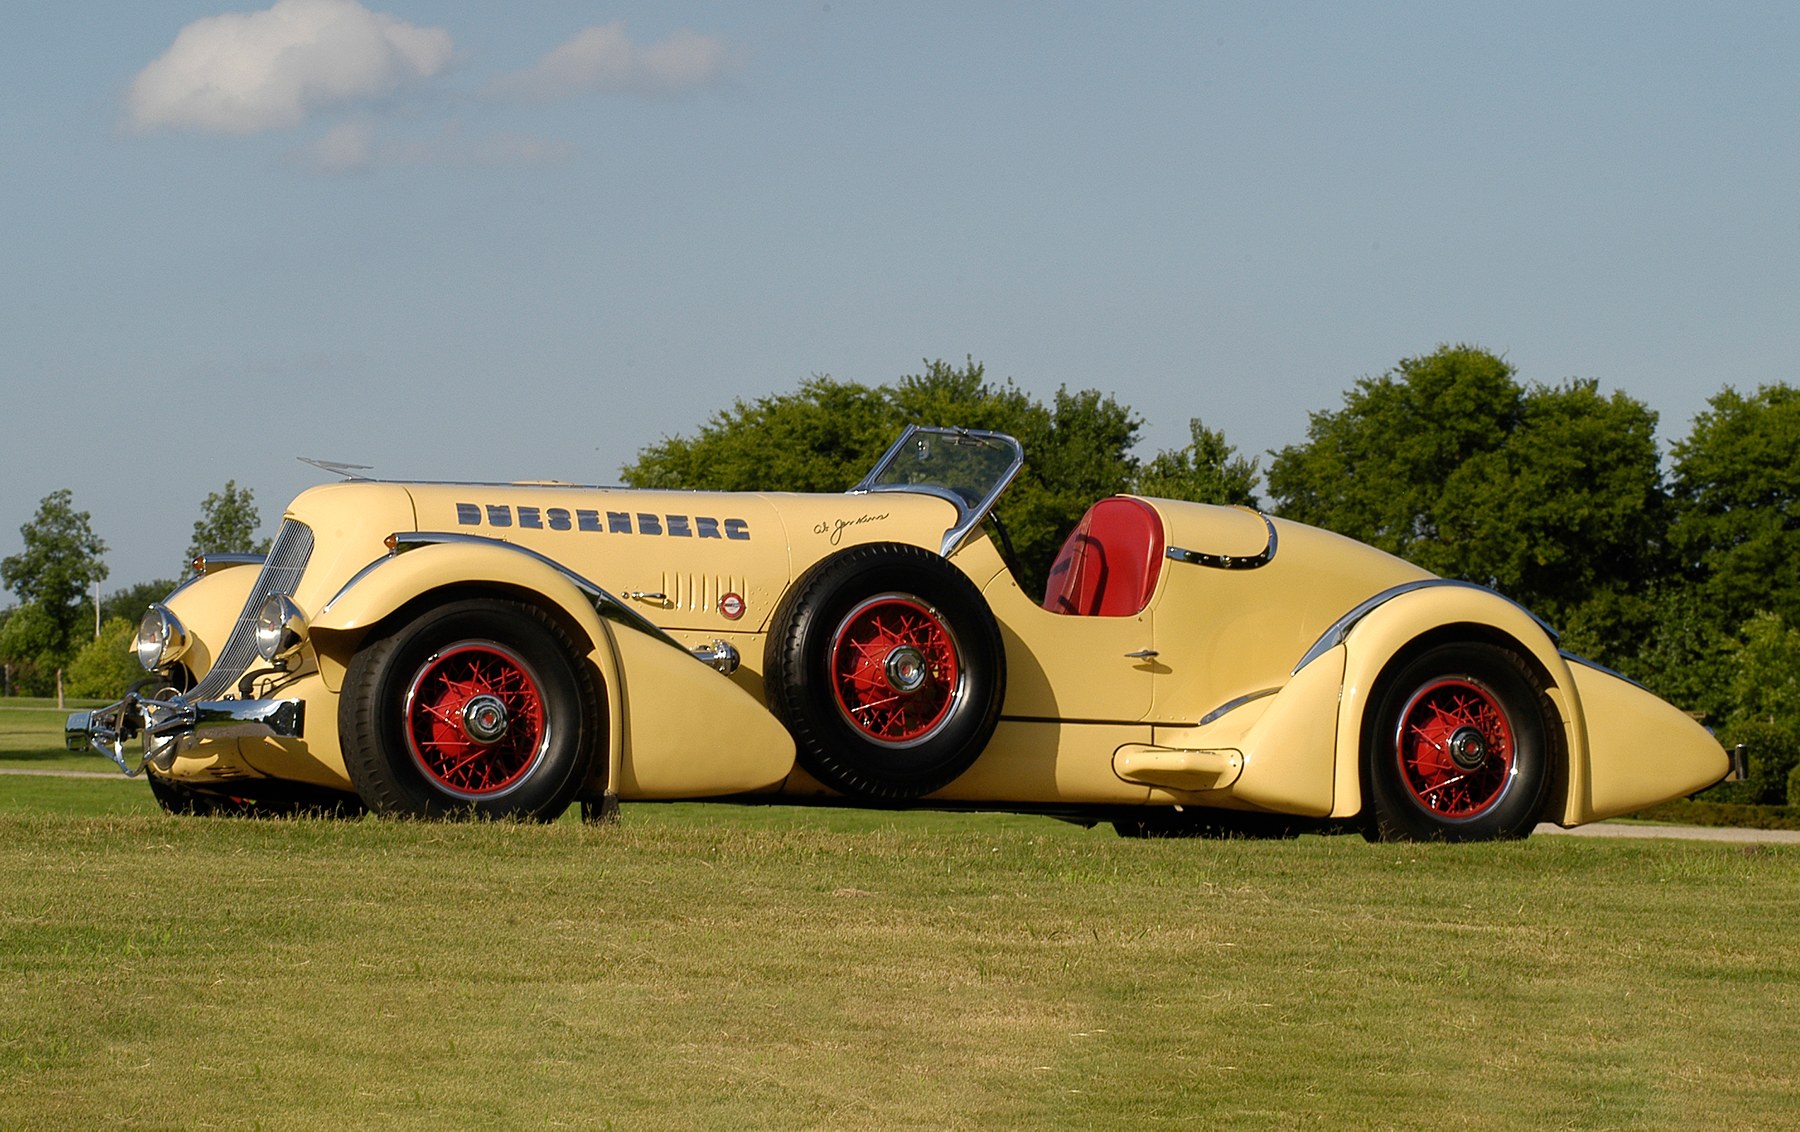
(1640, 750)
(1194, 700)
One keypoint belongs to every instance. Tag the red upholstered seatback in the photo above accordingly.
(1109, 564)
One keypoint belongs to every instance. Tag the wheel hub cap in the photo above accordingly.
(906, 670)
(895, 670)
(1455, 748)
(1468, 748)
(484, 719)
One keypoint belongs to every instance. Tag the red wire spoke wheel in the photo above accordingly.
(480, 708)
(1459, 747)
(895, 669)
(1455, 747)
(475, 719)
(887, 667)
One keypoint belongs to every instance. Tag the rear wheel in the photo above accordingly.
(1459, 747)
(473, 709)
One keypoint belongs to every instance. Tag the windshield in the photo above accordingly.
(968, 467)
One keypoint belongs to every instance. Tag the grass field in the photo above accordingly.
(720, 967)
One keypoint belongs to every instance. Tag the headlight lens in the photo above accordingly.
(280, 628)
(160, 638)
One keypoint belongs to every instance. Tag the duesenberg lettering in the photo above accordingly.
(836, 529)
(502, 515)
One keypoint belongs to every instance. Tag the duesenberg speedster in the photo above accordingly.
(505, 650)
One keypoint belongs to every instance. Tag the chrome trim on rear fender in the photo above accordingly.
(1340, 628)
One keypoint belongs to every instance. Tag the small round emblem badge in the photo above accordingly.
(731, 606)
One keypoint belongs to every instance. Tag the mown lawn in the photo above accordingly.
(720, 967)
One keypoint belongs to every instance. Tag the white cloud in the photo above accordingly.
(355, 147)
(603, 58)
(247, 72)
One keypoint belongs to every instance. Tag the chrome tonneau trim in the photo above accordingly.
(1340, 629)
(1227, 561)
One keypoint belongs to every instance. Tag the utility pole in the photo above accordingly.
(96, 609)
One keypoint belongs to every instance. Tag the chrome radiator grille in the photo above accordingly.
(280, 575)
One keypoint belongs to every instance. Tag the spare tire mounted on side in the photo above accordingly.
(887, 666)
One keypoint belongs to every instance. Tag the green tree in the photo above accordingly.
(1766, 672)
(1376, 469)
(827, 434)
(131, 601)
(1735, 483)
(106, 666)
(29, 644)
(1550, 494)
(56, 571)
(1208, 470)
(227, 525)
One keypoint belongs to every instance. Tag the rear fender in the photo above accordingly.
(1392, 627)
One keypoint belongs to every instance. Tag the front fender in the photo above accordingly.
(391, 581)
(1382, 630)
(677, 728)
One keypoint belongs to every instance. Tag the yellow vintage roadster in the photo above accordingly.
(506, 650)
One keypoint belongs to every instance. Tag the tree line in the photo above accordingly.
(59, 631)
(1679, 572)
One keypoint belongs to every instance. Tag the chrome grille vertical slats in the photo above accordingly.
(280, 575)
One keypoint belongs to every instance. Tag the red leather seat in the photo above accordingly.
(1109, 564)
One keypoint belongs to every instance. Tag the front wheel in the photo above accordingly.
(1459, 747)
(473, 709)
(270, 798)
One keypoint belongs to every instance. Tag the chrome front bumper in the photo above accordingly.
(163, 723)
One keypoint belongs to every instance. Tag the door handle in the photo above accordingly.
(1141, 654)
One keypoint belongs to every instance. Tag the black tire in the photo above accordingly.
(474, 709)
(1458, 748)
(255, 799)
(887, 667)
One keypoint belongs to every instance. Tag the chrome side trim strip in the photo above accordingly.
(1597, 667)
(213, 563)
(1340, 628)
(1232, 705)
(1226, 561)
(605, 604)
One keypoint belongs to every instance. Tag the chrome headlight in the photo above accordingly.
(160, 638)
(280, 628)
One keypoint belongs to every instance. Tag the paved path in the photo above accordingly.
(47, 772)
(1677, 832)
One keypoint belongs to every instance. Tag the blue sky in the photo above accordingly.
(470, 240)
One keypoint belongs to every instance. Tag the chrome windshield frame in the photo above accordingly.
(968, 514)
